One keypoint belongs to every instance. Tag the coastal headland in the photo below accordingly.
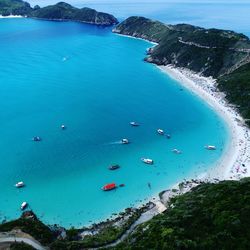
(58, 12)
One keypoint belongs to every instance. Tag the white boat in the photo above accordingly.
(19, 184)
(24, 205)
(160, 131)
(147, 161)
(176, 151)
(36, 138)
(210, 147)
(124, 141)
(134, 124)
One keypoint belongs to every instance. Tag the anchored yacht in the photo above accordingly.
(147, 161)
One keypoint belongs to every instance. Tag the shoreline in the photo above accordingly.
(11, 16)
(228, 167)
(137, 38)
(231, 164)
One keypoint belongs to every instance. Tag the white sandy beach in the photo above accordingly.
(11, 16)
(234, 164)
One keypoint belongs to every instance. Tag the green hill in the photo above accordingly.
(60, 11)
(236, 85)
(64, 11)
(14, 7)
(211, 52)
(212, 216)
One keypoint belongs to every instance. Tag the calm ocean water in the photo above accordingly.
(95, 82)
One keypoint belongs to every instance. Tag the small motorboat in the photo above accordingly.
(19, 184)
(109, 187)
(24, 205)
(125, 141)
(63, 127)
(168, 136)
(210, 147)
(36, 138)
(147, 161)
(134, 124)
(160, 131)
(114, 167)
(176, 151)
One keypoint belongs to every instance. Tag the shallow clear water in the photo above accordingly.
(95, 82)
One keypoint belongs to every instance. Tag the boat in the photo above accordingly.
(176, 151)
(124, 141)
(63, 126)
(24, 205)
(122, 185)
(114, 167)
(19, 184)
(36, 138)
(134, 124)
(160, 131)
(109, 187)
(168, 136)
(147, 161)
(210, 147)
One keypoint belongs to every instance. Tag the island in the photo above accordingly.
(14, 7)
(58, 12)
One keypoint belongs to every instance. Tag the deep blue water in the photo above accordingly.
(95, 82)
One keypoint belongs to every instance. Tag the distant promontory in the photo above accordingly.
(60, 11)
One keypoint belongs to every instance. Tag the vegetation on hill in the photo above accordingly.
(20, 246)
(30, 224)
(236, 85)
(59, 11)
(64, 11)
(142, 27)
(212, 216)
(211, 52)
(14, 7)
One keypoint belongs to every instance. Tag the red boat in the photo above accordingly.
(109, 187)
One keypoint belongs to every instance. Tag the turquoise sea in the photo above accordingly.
(94, 82)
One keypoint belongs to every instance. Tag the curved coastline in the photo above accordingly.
(230, 165)
(235, 154)
(238, 148)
